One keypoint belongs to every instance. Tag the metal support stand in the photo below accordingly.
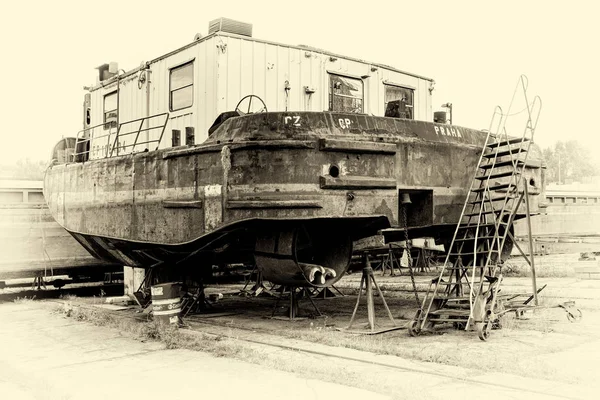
(390, 261)
(108, 279)
(327, 293)
(195, 303)
(258, 288)
(423, 261)
(38, 282)
(368, 281)
(142, 294)
(294, 298)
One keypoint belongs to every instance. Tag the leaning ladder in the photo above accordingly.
(465, 292)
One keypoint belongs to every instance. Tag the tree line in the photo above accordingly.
(24, 169)
(569, 161)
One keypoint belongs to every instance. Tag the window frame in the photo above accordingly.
(331, 94)
(397, 85)
(111, 124)
(171, 90)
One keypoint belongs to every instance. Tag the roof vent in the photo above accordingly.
(230, 26)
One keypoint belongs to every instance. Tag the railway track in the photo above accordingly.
(212, 327)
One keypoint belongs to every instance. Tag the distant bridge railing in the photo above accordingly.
(115, 143)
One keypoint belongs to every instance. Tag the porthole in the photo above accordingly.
(334, 171)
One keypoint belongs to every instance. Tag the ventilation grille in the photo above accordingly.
(230, 26)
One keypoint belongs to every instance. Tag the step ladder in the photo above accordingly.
(466, 290)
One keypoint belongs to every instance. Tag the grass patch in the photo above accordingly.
(82, 300)
(171, 336)
(444, 347)
(544, 268)
(24, 299)
(216, 345)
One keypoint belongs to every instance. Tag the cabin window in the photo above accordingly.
(399, 102)
(345, 94)
(110, 110)
(181, 83)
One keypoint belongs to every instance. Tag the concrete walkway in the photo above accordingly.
(47, 356)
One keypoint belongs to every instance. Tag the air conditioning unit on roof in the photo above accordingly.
(230, 26)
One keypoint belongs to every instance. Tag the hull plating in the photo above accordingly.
(267, 172)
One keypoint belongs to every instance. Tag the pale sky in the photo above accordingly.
(475, 51)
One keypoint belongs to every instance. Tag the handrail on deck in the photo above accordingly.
(84, 136)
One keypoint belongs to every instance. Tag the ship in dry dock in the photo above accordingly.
(232, 149)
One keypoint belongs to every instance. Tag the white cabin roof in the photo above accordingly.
(222, 33)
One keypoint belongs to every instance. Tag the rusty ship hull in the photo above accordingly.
(285, 190)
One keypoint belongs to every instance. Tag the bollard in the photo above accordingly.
(175, 138)
(189, 136)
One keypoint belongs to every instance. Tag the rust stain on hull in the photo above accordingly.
(258, 174)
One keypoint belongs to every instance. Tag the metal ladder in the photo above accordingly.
(466, 289)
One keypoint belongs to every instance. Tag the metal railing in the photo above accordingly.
(113, 143)
(84, 137)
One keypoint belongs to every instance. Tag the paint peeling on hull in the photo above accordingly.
(258, 173)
